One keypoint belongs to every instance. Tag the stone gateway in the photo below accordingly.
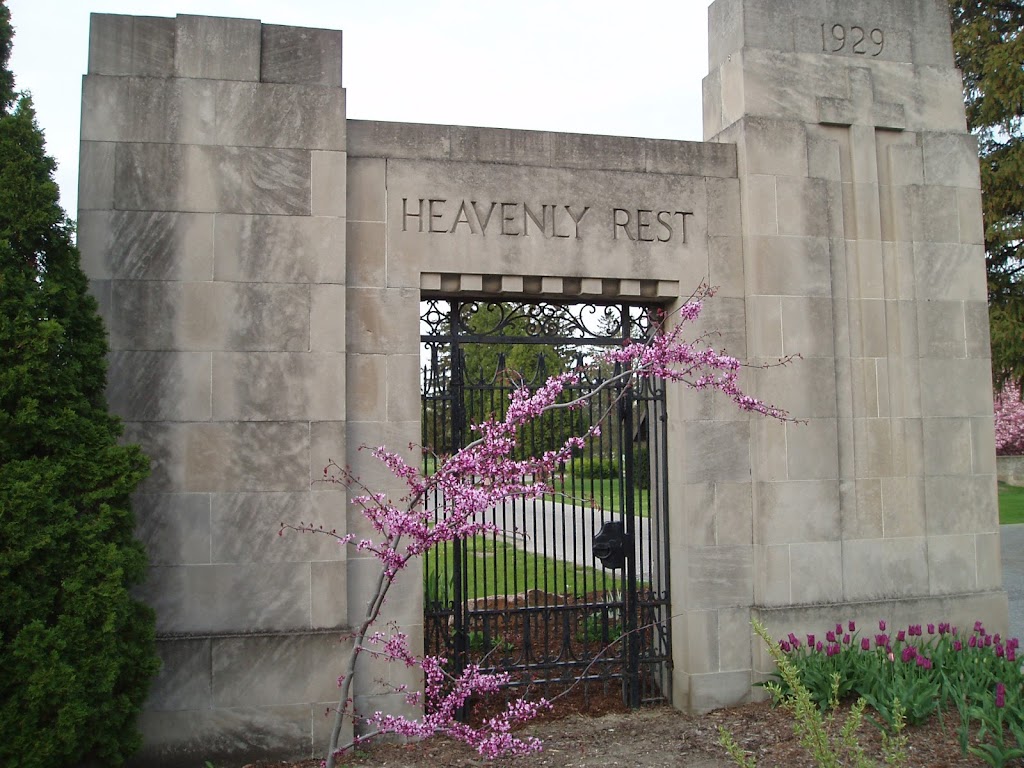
(259, 260)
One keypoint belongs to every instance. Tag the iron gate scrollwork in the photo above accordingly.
(537, 602)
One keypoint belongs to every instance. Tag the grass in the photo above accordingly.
(499, 568)
(604, 493)
(1011, 504)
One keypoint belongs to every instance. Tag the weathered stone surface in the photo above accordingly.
(300, 55)
(225, 734)
(174, 527)
(212, 179)
(131, 45)
(146, 245)
(213, 112)
(246, 456)
(278, 386)
(183, 682)
(159, 386)
(279, 249)
(155, 315)
(229, 598)
(271, 671)
(217, 49)
(96, 168)
(245, 527)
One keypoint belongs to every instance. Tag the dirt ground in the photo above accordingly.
(659, 736)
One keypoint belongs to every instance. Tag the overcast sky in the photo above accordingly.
(581, 66)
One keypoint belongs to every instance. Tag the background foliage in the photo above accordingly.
(989, 50)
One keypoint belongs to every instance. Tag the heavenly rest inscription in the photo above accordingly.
(441, 216)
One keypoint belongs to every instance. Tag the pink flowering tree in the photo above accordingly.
(467, 484)
(1009, 412)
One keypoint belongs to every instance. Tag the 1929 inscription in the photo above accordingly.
(838, 38)
(441, 216)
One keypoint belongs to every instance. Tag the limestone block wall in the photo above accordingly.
(1010, 469)
(259, 261)
(863, 251)
(212, 223)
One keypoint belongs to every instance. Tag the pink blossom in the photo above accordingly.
(1009, 421)
(479, 477)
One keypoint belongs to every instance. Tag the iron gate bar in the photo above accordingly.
(555, 625)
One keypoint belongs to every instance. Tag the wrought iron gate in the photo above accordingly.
(537, 602)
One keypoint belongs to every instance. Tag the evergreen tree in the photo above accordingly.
(76, 651)
(989, 45)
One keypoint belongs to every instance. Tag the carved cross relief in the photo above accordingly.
(864, 117)
(872, 383)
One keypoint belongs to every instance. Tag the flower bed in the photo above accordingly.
(922, 670)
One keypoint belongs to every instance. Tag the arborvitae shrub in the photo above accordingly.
(77, 652)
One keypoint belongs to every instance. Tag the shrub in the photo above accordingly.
(77, 652)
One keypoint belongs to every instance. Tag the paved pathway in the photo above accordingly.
(1012, 545)
(566, 532)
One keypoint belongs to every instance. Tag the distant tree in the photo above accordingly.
(1009, 413)
(76, 651)
(989, 45)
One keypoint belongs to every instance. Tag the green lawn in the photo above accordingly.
(499, 568)
(1011, 504)
(603, 492)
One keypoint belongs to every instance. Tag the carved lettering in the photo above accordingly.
(616, 223)
(682, 215)
(637, 224)
(834, 39)
(434, 216)
(462, 217)
(508, 216)
(665, 219)
(542, 223)
(406, 215)
(483, 221)
(554, 223)
(643, 223)
(577, 219)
